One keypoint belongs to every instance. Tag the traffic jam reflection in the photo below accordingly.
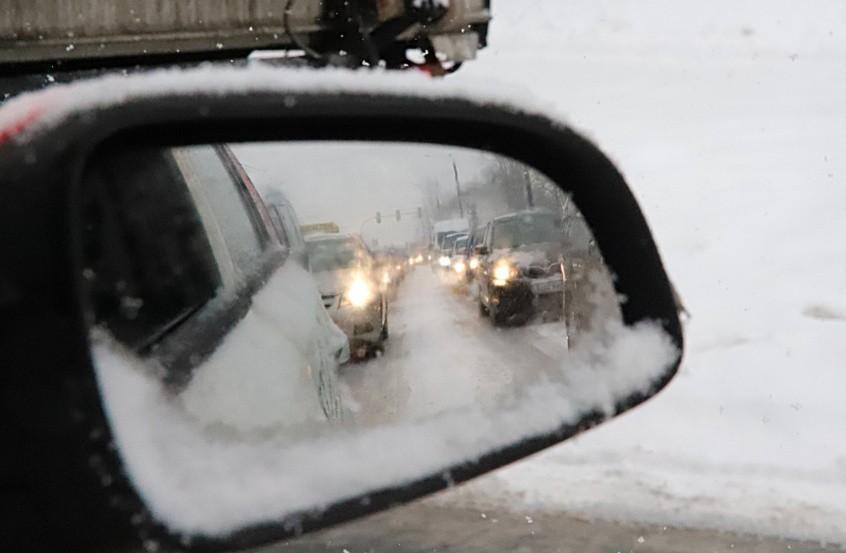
(439, 265)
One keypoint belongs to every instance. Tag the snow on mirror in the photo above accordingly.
(279, 326)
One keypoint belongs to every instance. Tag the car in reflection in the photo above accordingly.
(458, 262)
(209, 241)
(440, 231)
(349, 282)
(448, 248)
(474, 258)
(393, 264)
(390, 271)
(521, 267)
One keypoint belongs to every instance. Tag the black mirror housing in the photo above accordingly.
(42, 290)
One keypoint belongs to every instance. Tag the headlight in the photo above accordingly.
(360, 293)
(474, 263)
(459, 267)
(419, 258)
(443, 261)
(386, 278)
(502, 273)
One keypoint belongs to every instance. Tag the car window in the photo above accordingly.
(525, 230)
(330, 255)
(231, 209)
(139, 284)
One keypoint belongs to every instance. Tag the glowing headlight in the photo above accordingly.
(502, 272)
(443, 261)
(419, 258)
(359, 293)
(474, 263)
(386, 278)
(459, 267)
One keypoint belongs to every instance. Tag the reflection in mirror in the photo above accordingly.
(278, 326)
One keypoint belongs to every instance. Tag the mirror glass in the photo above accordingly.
(278, 326)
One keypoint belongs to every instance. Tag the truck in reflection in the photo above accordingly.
(448, 248)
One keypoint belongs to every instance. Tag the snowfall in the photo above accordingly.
(728, 120)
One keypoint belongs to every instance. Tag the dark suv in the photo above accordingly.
(521, 267)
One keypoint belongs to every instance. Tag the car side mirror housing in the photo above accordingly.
(180, 317)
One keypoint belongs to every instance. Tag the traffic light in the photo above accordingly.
(398, 215)
(378, 217)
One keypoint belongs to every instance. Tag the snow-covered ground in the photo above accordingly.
(729, 121)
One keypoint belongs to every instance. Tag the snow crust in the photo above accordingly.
(56, 103)
(454, 225)
(199, 477)
(728, 121)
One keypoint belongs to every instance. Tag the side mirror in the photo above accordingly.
(207, 366)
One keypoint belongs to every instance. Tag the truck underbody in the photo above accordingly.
(55, 35)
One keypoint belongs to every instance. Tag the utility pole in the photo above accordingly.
(457, 189)
(530, 199)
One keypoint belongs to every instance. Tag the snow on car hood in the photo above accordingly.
(534, 254)
(335, 282)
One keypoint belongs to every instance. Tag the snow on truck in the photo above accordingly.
(441, 229)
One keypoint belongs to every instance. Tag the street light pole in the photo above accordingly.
(457, 188)
(530, 199)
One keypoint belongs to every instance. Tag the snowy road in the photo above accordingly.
(442, 354)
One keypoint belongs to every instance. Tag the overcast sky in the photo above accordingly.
(348, 182)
